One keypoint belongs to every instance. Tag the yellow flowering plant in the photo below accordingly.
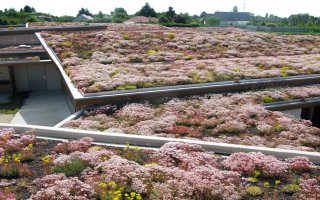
(114, 191)
(47, 161)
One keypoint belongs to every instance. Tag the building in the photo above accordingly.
(141, 19)
(231, 18)
(83, 18)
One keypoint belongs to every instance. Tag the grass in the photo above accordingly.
(14, 104)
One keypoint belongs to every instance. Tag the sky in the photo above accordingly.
(281, 8)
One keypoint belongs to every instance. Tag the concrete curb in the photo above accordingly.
(71, 117)
(153, 141)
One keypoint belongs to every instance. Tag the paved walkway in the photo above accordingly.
(46, 109)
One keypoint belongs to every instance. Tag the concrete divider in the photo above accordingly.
(23, 62)
(153, 141)
(71, 117)
(293, 104)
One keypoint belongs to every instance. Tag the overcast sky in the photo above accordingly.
(282, 8)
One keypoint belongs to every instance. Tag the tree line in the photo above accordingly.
(119, 15)
(169, 17)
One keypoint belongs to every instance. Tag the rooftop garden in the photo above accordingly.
(41, 169)
(134, 56)
(123, 60)
(230, 118)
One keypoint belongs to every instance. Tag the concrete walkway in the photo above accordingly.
(46, 109)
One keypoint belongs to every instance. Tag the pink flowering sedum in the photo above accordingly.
(136, 111)
(92, 157)
(28, 139)
(184, 156)
(5, 135)
(299, 163)
(9, 143)
(231, 118)
(246, 163)
(9, 196)
(111, 60)
(81, 144)
(57, 186)
(310, 189)
(175, 171)
(196, 173)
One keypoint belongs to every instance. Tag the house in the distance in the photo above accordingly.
(83, 18)
(141, 19)
(231, 18)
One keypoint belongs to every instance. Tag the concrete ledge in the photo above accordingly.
(293, 104)
(22, 62)
(241, 85)
(22, 52)
(71, 117)
(153, 141)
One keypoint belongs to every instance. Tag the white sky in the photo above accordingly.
(282, 8)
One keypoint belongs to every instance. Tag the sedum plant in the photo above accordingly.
(71, 168)
(291, 188)
(254, 191)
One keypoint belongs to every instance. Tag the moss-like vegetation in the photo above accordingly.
(254, 191)
(72, 168)
(267, 99)
(291, 188)
(126, 87)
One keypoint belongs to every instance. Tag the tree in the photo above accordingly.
(11, 12)
(84, 11)
(100, 15)
(203, 14)
(163, 19)
(213, 21)
(299, 19)
(65, 18)
(147, 11)
(271, 25)
(170, 14)
(4, 22)
(235, 9)
(182, 19)
(119, 11)
(119, 15)
(32, 19)
(102, 18)
(310, 24)
(27, 9)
